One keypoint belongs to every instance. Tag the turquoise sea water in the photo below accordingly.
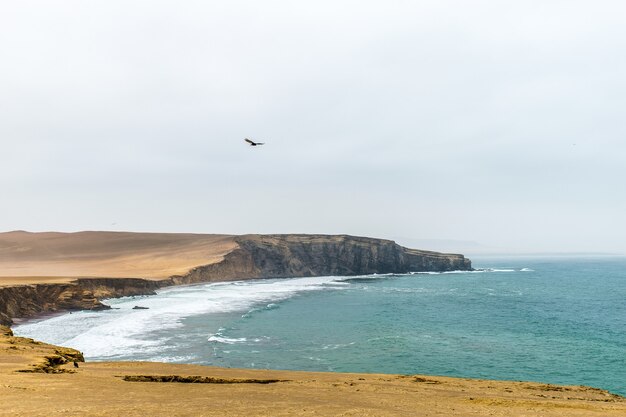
(555, 320)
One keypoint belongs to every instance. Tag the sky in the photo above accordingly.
(497, 124)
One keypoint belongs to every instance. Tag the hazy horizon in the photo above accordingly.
(495, 123)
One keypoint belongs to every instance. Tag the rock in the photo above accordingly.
(6, 331)
(5, 320)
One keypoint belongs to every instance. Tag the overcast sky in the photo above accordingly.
(497, 122)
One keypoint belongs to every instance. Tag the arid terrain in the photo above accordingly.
(37, 379)
(27, 258)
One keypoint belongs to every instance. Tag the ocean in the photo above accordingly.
(554, 320)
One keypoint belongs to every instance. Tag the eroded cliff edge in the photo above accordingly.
(253, 257)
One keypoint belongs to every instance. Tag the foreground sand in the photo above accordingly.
(99, 389)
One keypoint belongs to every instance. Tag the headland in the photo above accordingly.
(53, 272)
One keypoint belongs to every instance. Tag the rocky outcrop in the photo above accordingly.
(5, 331)
(83, 294)
(255, 256)
(32, 300)
(119, 287)
(41, 357)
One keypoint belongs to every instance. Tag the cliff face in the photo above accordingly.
(83, 294)
(31, 300)
(254, 256)
(281, 256)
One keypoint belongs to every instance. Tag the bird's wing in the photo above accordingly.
(249, 141)
(260, 143)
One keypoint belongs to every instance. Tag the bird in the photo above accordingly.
(254, 143)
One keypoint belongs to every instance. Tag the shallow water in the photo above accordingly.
(557, 320)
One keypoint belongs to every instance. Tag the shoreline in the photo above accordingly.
(379, 370)
(38, 379)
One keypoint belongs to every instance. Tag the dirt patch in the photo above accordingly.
(425, 381)
(196, 379)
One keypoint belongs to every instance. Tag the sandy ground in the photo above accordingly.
(99, 389)
(28, 258)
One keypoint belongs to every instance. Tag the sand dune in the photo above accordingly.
(60, 257)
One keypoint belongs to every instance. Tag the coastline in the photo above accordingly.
(100, 388)
(38, 379)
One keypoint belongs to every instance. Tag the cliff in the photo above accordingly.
(247, 257)
(26, 301)
(281, 256)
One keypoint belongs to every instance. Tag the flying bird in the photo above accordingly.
(254, 143)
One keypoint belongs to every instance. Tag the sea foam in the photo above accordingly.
(124, 331)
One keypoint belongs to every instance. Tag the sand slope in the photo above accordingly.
(61, 257)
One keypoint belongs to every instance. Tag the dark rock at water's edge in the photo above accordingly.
(26, 301)
(254, 257)
(140, 308)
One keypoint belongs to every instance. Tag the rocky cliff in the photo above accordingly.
(253, 256)
(281, 256)
(26, 301)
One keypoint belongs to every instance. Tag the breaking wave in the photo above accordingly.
(124, 331)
